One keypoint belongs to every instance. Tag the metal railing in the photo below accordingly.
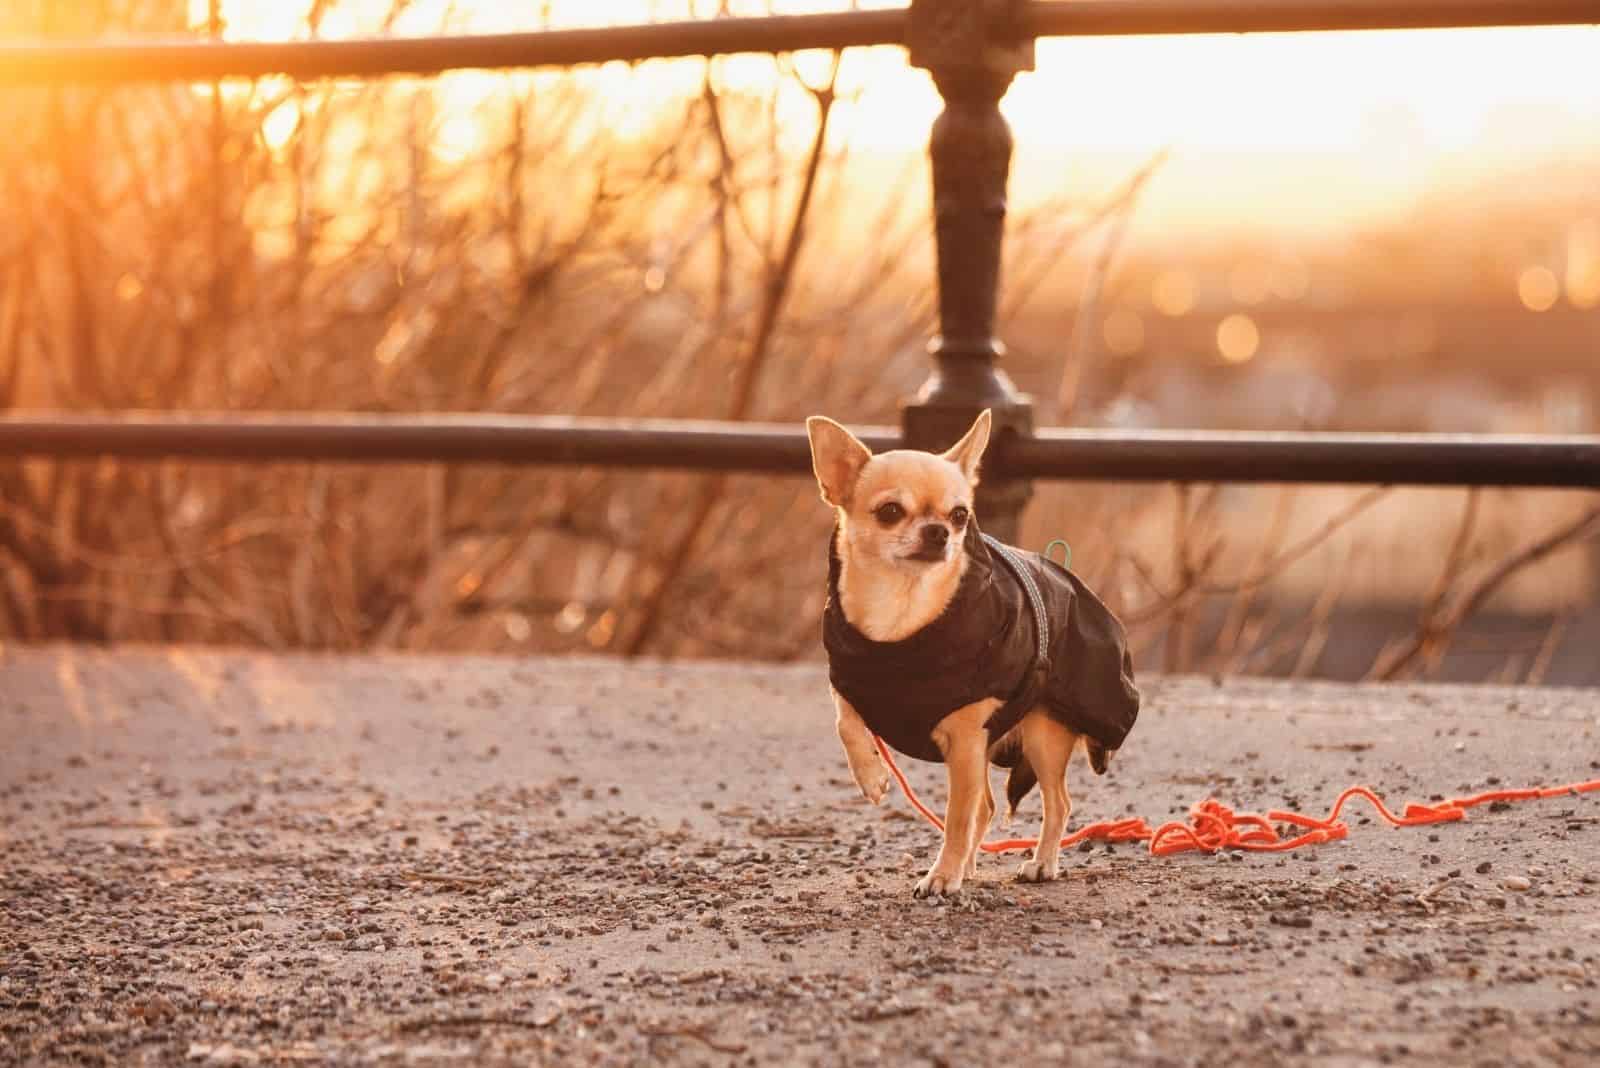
(973, 51)
(188, 60)
(1152, 455)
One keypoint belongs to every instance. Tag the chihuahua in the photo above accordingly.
(953, 647)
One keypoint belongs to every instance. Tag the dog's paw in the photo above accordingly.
(1035, 871)
(938, 882)
(873, 779)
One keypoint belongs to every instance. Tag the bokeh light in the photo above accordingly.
(1538, 289)
(1583, 265)
(1290, 280)
(1250, 282)
(1123, 331)
(1173, 293)
(1238, 338)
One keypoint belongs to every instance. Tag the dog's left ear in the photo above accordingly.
(967, 453)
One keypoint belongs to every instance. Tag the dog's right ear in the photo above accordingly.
(837, 457)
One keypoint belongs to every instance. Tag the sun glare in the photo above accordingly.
(1250, 119)
(280, 124)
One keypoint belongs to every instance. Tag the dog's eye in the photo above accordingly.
(889, 513)
(959, 516)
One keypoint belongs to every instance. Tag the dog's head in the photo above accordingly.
(901, 512)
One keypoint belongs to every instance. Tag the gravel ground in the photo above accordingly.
(229, 858)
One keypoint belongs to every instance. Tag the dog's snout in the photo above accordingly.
(935, 535)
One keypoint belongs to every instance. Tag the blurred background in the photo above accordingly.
(1373, 231)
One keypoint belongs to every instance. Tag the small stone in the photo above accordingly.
(1483, 869)
(155, 1009)
(1517, 882)
(332, 934)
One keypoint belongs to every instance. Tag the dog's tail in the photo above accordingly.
(1099, 755)
(1021, 780)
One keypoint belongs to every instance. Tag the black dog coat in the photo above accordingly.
(987, 643)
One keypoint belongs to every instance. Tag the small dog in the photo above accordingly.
(953, 647)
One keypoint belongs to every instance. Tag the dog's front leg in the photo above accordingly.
(962, 739)
(866, 766)
(985, 818)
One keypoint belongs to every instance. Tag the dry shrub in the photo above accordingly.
(347, 246)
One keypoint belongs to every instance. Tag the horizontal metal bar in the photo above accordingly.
(198, 61)
(449, 438)
(1095, 18)
(189, 60)
(1091, 455)
(1264, 456)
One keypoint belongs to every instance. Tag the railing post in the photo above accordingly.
(973, 48)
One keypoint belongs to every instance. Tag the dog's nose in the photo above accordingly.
(935, 535)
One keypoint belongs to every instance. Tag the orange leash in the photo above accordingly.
(1214, 826)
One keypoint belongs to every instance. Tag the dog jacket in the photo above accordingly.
(1020, 628)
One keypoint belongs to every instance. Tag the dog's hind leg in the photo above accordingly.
(1047, 746)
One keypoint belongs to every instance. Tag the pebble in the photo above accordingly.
(1517, 882)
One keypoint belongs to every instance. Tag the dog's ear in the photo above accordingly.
(967, 453)
(837, 457)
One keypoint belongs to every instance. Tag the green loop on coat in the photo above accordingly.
(1066, 552)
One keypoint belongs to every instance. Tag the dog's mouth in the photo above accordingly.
(927, 555)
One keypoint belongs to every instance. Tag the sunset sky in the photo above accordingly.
(1375, 116)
